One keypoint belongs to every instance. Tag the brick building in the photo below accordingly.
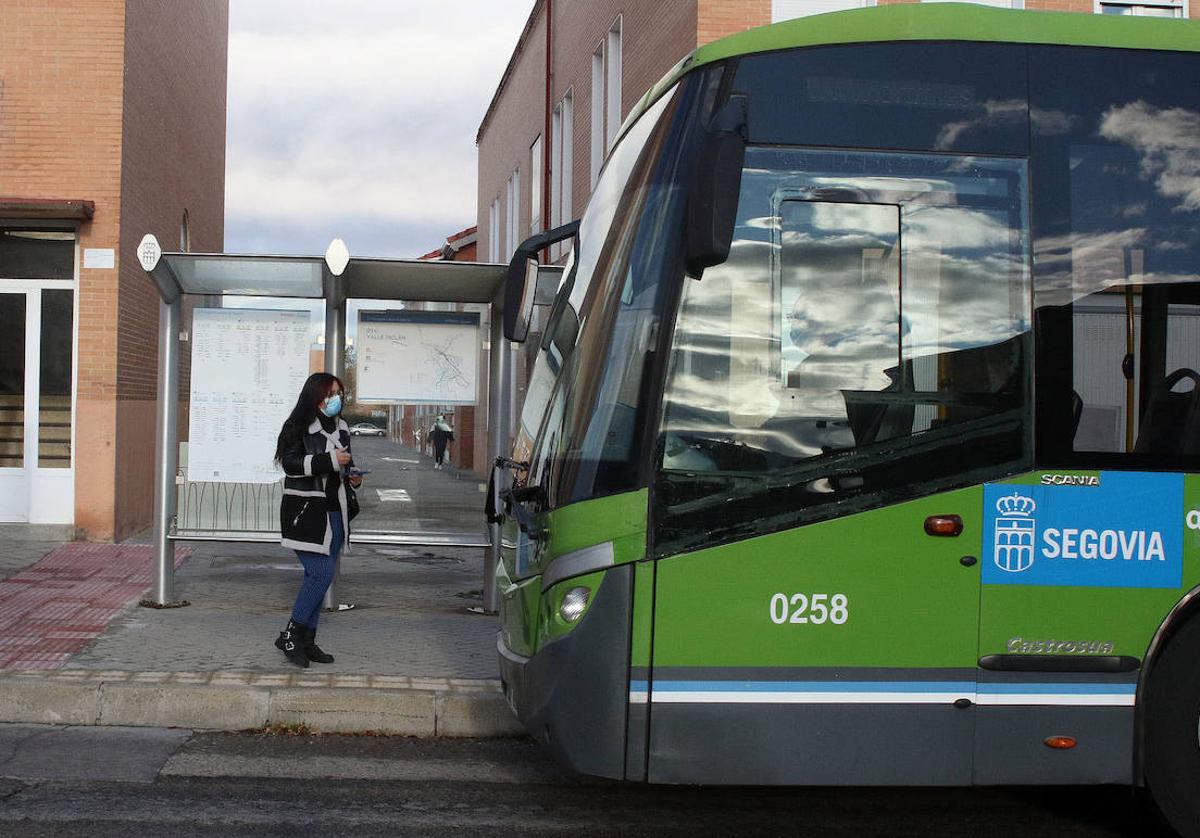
(112, 125)
(550, 122)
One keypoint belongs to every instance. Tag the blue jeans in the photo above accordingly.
(318, 574)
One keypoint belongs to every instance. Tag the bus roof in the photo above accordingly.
(938, 22)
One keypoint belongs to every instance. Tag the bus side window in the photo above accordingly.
(1117, 278)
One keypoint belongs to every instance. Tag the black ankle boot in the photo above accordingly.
(312, 650)
(291, 642)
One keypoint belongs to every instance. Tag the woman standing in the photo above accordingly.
(314, 452)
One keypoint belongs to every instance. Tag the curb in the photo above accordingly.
(393, 704)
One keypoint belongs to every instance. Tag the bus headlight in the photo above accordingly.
(573, 604)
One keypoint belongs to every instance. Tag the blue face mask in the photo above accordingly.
(333, 405)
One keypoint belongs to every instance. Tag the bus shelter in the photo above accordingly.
(335, 279)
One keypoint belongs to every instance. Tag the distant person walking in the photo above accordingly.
(440, 434)
(318, 503)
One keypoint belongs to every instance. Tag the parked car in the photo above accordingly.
(366, 429)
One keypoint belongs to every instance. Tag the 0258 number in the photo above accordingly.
(817, 609)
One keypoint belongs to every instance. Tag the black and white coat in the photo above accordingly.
(307, 464)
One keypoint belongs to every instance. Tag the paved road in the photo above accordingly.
(121, 781)
(403, 492)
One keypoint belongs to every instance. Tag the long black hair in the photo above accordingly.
(315, 390)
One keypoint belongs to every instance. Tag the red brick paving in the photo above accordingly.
(51, 610)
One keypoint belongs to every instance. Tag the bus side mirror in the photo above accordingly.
(519, 285)
(716, 186)
(521, 279)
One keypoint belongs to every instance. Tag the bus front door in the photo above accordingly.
(859, 359)
(837, 653)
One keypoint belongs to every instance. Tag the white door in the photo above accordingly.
(37, 475)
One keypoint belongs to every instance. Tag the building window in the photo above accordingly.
(1165, 9)
(561, 162)
(36, 254)
(512, 210)
(789, 9)
(556, 144)
(535, 186)
(612, 84)
(185, 233)
(606, 96)
(597, 113)
(494, 231)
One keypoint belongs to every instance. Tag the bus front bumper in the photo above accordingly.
(571, 695)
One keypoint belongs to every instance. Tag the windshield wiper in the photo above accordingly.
(844, 463)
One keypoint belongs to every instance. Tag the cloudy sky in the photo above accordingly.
(357, 119)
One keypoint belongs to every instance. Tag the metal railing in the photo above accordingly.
(250, 512)
(224, 511)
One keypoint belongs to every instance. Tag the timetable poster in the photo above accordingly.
(248, 366)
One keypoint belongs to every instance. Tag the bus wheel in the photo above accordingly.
(1173, 731)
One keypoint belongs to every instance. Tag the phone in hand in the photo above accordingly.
(357, 472)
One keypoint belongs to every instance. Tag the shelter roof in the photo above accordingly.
(306, 277)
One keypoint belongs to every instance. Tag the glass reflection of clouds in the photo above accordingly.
(1012, 112)
(1051, 122)
(1168, 140)
(850, 273)
(1134, 192)
(839, 300)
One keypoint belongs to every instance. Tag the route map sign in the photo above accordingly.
(418, 357)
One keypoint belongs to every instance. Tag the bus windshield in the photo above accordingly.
(589, 379)
(874, 309)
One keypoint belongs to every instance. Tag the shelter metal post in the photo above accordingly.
(335, 363)
(166, 448)
(499, 396)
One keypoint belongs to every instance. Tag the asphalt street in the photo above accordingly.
(121, 781)
(403, 493)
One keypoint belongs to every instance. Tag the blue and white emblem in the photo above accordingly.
(1015, 532)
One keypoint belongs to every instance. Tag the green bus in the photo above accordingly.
(862, 437)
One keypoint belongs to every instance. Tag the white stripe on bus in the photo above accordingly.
(859, 697)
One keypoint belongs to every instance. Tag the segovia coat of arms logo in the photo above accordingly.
(1015, 533)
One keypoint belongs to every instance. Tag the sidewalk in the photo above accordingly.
(76, 648)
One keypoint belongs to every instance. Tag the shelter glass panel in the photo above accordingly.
(208, 507)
